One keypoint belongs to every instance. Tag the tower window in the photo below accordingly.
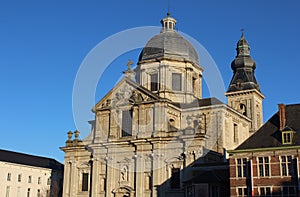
(154, 82)
(176, 81)
(126, 123)
(175, 178)
(85, 182)
(243, 109)
(19, 177)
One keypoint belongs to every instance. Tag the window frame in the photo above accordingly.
(8, 178)
(244, 191)
(241, 168)
(286, 166)
(154, 83)
(289, 187)
(126, 129)
(85, 182)
(265, 192)
(175, 181)
(235, 133)
(29, 179)
(287, 137)
(264, 168)
(175, 83)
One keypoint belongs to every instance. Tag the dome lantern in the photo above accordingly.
(168, 23)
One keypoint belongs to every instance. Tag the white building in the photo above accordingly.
(23, 175)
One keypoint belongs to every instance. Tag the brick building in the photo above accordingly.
(267, 164)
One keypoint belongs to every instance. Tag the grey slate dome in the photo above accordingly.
(169, 44)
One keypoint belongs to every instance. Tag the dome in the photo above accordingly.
(169, 44)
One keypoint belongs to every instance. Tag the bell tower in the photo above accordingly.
(244, 93)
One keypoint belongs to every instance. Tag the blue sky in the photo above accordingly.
(43, 44)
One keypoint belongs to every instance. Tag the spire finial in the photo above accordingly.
(168, 14)
(242, 30)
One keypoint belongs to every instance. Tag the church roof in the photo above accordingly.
(269, 135)
(29, 160)
(199, 103)
(169, 44)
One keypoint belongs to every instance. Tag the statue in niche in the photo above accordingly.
(200, 124)
(124, 173)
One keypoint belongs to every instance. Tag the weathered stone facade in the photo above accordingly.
(148, 132)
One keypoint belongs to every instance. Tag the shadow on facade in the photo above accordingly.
(56, 180)
(206, 177)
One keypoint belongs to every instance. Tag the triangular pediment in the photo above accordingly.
(126, 92)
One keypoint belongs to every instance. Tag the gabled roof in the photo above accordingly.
(269, 135)
(29, 160)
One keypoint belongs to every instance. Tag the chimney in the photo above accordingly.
(282, 118)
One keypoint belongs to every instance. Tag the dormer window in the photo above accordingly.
(287, 137)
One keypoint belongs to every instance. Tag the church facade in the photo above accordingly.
(153, 127)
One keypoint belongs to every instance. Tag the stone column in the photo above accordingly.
(95, 178)
(139, 171)
(67, 178)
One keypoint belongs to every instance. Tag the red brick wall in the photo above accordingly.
(275, 180)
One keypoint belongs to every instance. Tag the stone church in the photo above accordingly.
(154, 126)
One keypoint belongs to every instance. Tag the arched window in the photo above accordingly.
(243, 109)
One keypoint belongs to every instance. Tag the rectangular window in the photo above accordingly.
(241, 167)
(175, 178)
(154, 82)
(85, 182)
(48, 193)
(242, 191)
(126, 123)
(176, 82)
(49, 181)
(290, 191)
(28, 192)
(29, 179)
(19, 177)
(39, 180)
(8, 177)
(286, 165)
(235, 133)
(265, 191)
(38, 193)
(7, 191)
(264, 166)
